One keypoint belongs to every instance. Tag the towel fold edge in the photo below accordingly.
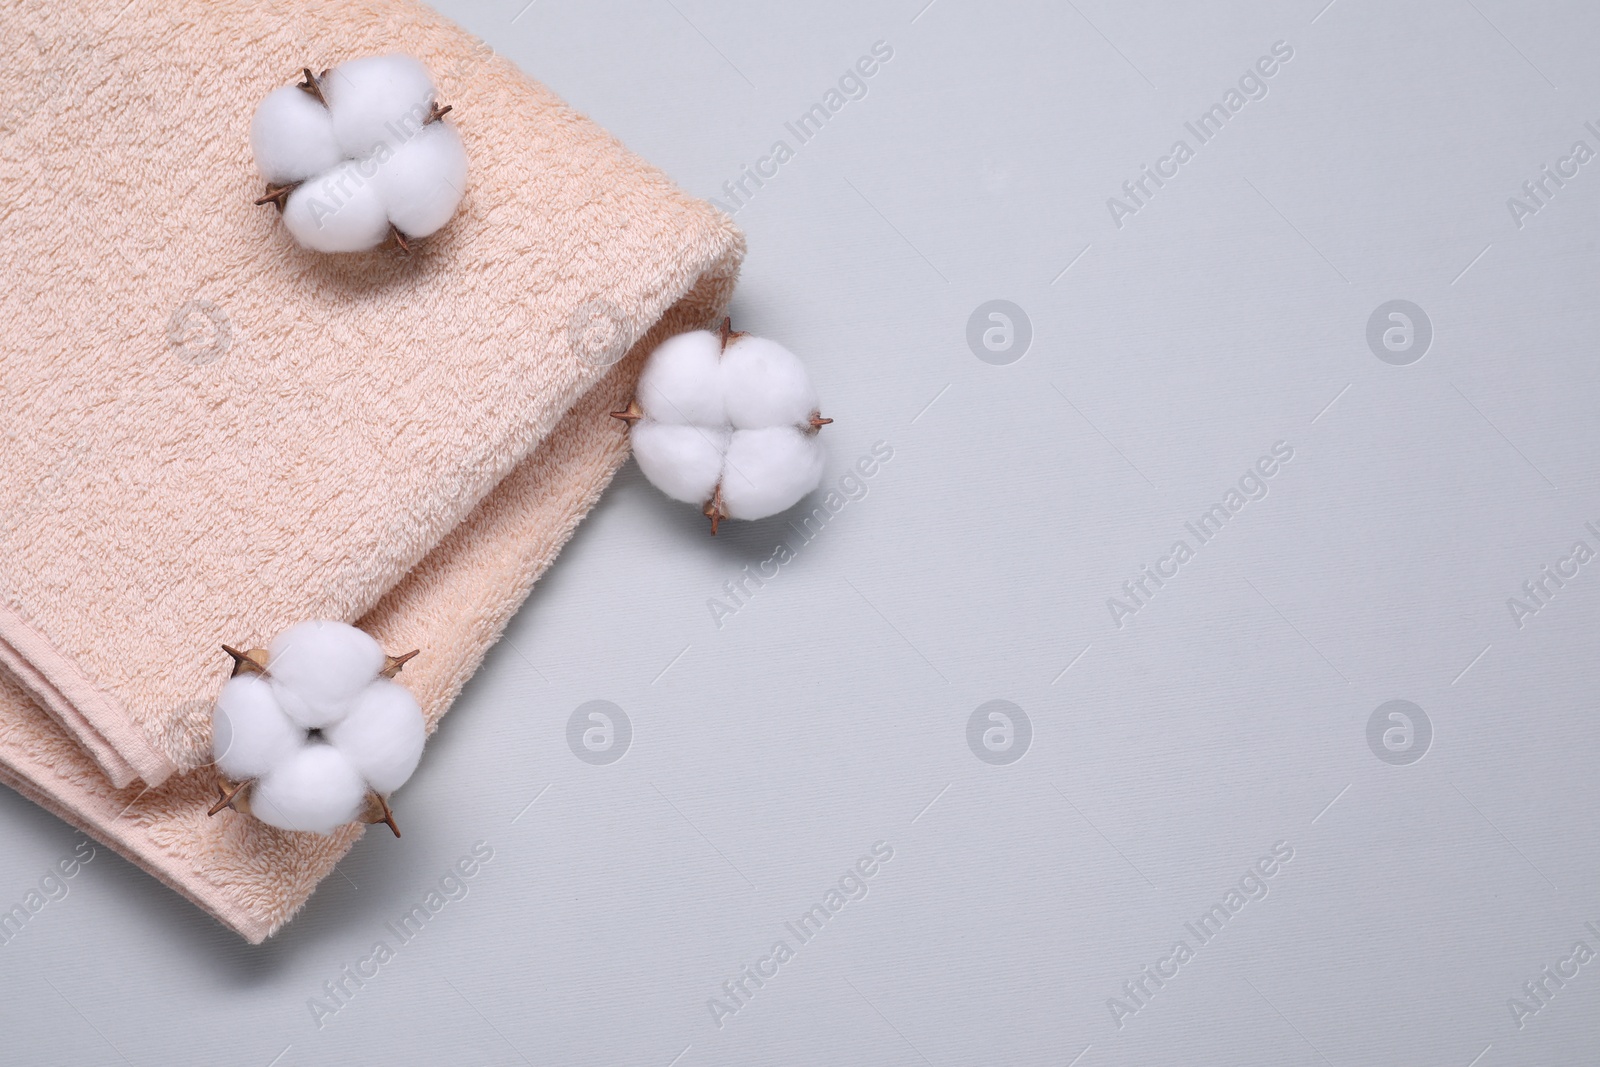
(86, 711)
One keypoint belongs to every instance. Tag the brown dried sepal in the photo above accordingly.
(727, 332)
(310, 83)
(630, 414)
(252, 661)
(392, 664)
(277, 195)
(235, 795)
(714, 509)
(378, 810)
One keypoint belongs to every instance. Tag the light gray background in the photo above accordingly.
(831, 711)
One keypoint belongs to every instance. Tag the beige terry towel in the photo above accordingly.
(208, 434)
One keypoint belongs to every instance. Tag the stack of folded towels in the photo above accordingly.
(210, 433)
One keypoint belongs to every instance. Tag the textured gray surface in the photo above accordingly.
(831, 711)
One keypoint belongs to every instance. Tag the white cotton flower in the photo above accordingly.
(250, 733)
(314, 725)
(292, 138)
(764, 384)
(382, 736)
(318, 668)
(337, 211)
(359, 153)
(421, 184)
(769, 470)
(727, 421)
(684, 462)
(315, 789)
(681, 383)
(370, 96)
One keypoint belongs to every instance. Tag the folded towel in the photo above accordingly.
(404, 443)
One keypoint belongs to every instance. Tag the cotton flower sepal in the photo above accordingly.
(728, 421)
(357, 156)
(313, 733)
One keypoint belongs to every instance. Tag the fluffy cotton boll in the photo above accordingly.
(682, 381)
(764, 384)
(769, 470)
(422, 181)
(315, 789)
(683, 462)
(729, 422)
(339, 211)
(382, 736)
(292, 137)
(377, 99)
(317, 668)
(249, 732)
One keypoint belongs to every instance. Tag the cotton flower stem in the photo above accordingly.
(229, 795)
(727, 332)
(378, 810)
(435, 112)
(277, 195)
(818, 422)
(630, 414)
(310, 84)
(252, 662)
(392, 664)
(714, 509)
(400, 239)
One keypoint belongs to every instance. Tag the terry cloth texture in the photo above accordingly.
(209, 433)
